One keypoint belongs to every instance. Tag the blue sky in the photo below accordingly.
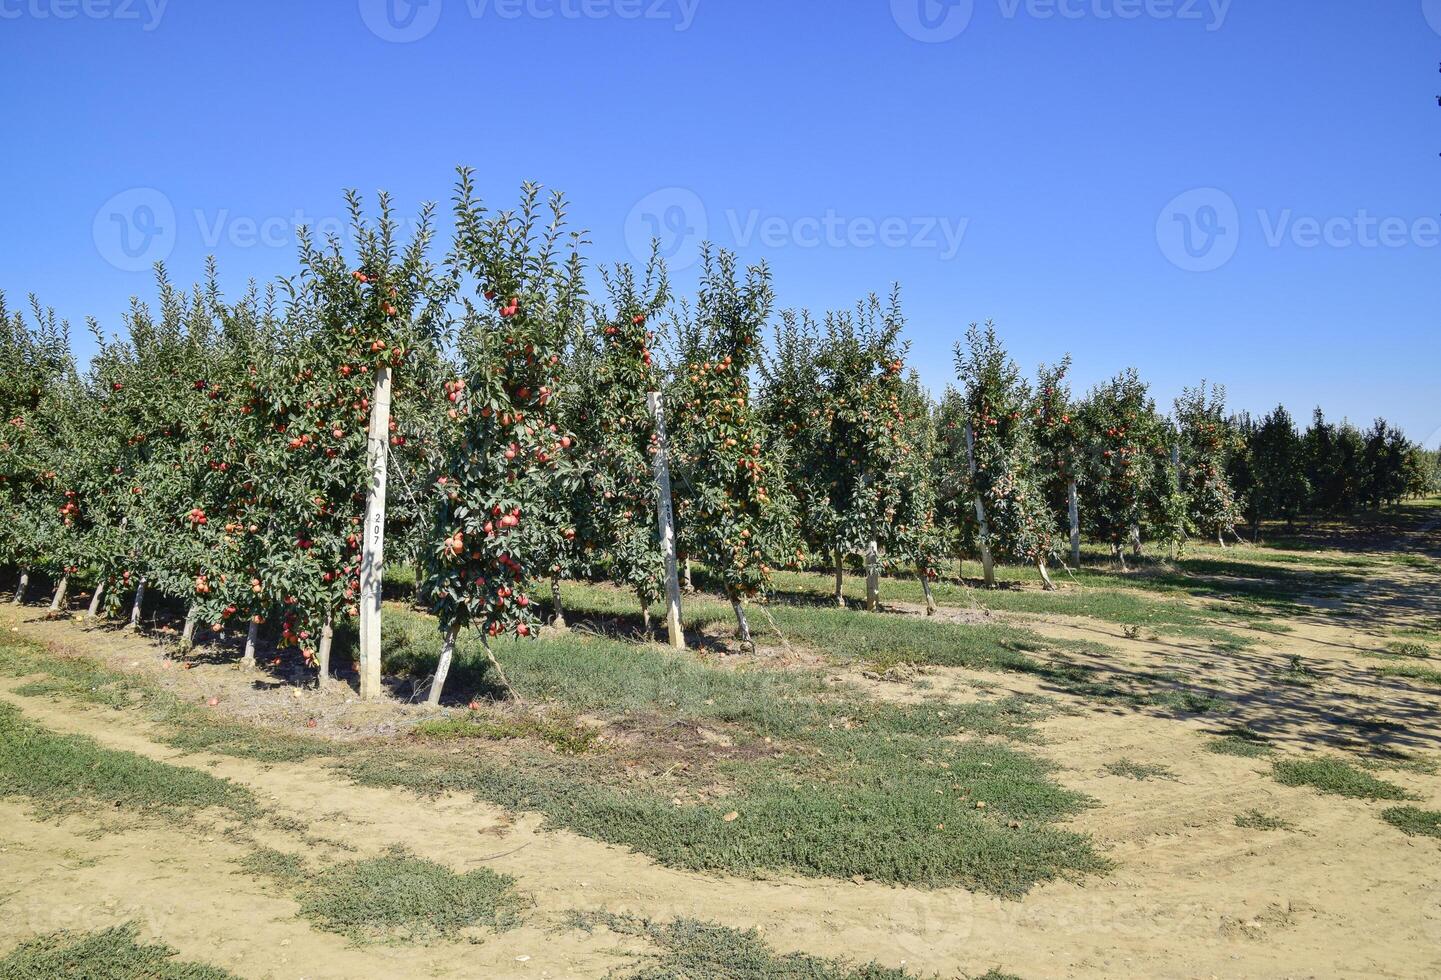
(1238, 190)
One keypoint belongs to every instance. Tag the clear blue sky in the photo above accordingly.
(1055, 134)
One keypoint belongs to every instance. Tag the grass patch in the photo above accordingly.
(1297, 672)
(1256, 820)
(1411, 672)
(396, 897)
(1129, 769)
(1406, 648)
(569, 739)
(1337, 778)
(113, 954)
(1240, 742)
(185, 726)
(1413, 821)
(690, 948)
(63, 773)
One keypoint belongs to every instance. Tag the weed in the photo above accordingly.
(1256, 820)
(1413, 821)
(689, 948)
(568, 738)
(1336, 777)
(1138, 770)
(113, 954)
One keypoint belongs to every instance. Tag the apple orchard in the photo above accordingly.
(250, 465)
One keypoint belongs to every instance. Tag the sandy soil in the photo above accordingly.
(1343, 894)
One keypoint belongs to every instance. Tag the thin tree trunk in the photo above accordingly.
(327, 637)
(187, 635)
(24, 584)
(873, 577)
(1074, 506)
(1221, 537)
(1136, 540)
(94, 609)
(840, 579)
(926, 589)
(743, 626)
(1046, 582)
(372, 562)
(685, 576)
(500, 672)
(987, 563)
(442, 668)
(645, 618)
(137, 606)
(58, 603)
(250, 643)
(559, 621)
(1118, 552)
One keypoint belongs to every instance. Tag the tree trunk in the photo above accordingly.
(372, 561)
(327, 637)
(1136, 540)
(187, 635)
(1221, 537)
(58, 603)
(559, 621)
(94, 609)
(137, 605)
(1118, 552)
(442, 668)
(250, 643)
(987, 563)
(645, 618)
(499, 671)
(743, 626)
(1074, 505)
(686, 583)
(1046, 582)
(926, 589)
(666, 522)
(873, 577)
(840, 579)
(24, 584)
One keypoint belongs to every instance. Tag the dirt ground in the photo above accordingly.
(1341, 894)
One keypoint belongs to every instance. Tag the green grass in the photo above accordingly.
(1419, 651)
(113, 954)
(689, 948)
(1410, 672)
(1240, 742)
(184, 726)
(1413, 821)
(567, 738)
(1138, 770)
(1337, 778)
(1256, 820)
(61, 773)
(396, 897)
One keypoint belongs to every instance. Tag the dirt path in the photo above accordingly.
(1192, 894)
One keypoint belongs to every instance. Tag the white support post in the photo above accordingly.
(666, 522)
(372, 561)
(987, 564)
